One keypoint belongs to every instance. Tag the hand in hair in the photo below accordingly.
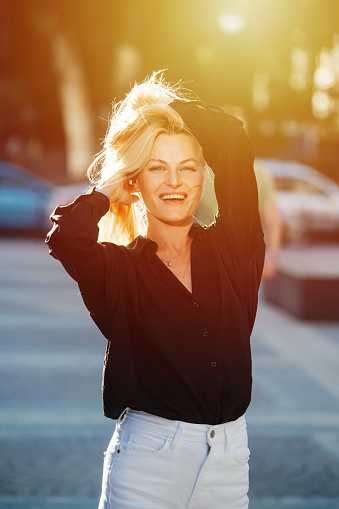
(121, 192)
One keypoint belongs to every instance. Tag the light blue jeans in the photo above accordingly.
(155, 463)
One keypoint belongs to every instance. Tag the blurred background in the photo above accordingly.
(64, 62)
(275, 65)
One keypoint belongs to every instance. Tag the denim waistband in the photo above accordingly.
(183, 430)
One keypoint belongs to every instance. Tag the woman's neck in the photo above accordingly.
(170, 239)
(174, 248)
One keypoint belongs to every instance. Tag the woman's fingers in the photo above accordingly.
(128, 198)
(120, 192)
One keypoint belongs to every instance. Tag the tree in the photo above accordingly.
(75, 104)
(55, 23)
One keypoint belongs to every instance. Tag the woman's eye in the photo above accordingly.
(157, 169)
(187, 169)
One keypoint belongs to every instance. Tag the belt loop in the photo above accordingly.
(178, 433)
(122, 415)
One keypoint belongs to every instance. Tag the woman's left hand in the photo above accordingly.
(121, 192)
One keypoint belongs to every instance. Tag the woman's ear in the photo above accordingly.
(134, 188)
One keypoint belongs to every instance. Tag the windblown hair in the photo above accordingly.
(134, 125)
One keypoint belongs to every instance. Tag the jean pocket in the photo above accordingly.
(241, 452)
(141, 444)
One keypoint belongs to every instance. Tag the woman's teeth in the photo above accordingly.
(173, 197)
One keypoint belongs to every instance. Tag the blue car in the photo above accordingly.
(24, 197)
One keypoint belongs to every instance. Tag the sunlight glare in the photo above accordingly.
(231, 23)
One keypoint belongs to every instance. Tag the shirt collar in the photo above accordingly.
(196, 231)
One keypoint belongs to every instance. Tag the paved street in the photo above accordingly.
(52, 430)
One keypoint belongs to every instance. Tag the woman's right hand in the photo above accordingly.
(120, 192)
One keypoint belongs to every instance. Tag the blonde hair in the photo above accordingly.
(134, 125)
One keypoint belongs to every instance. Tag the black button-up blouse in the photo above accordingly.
(172, 353)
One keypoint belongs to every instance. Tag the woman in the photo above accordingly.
(177, 304)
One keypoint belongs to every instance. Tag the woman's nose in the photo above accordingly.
(173, 179)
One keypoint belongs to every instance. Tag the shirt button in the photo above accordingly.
(196, 304)
(212, 434)
(205, 333)
(213, 364)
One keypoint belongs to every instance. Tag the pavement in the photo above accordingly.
(52, 430)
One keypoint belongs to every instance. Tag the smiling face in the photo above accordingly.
(172, 181)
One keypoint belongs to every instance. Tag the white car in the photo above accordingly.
(307, 200)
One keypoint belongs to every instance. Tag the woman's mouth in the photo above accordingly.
(173, 197)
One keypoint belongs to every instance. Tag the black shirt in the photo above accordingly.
(171, 353)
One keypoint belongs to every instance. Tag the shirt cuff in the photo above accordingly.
(99, 190)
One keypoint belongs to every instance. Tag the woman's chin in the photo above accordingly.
(171, 219)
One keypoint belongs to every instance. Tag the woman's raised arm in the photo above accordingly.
(228, 151)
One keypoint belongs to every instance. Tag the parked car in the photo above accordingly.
(24, 197)
(307, 200)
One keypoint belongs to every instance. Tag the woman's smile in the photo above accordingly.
(173, 198)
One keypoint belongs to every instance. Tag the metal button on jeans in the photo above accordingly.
(212, 434)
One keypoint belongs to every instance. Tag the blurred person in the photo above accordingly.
(269, 215)
(270, 219)
(176, 304)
